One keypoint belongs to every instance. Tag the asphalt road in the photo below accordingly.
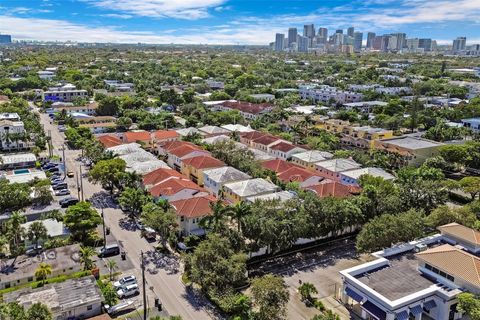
(163, 272)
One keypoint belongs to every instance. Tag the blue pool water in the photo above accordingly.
(21, 171)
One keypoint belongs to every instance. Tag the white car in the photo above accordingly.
(62, 192)
(125, 281)
(128, 291)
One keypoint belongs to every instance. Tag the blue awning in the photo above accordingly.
(416, 310)
(403, 315)
(352, 294)
(374, 310)
(430, 304)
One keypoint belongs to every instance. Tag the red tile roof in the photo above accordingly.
(295, 174)
(183, 150)
(165, 134)
(266, 140)
(278, 165)
(333, 189)
(203, 162)
(173, 186)
(283, 147)
(131, 136)
(160, 175)
(194, 207)
(253, 108)
(252, 135)
(109, 140)
(169, 145)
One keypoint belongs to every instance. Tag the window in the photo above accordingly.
(90, 307)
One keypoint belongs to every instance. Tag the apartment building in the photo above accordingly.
(65, 93)
(327, 94)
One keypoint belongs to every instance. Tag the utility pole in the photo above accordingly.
(78, 187)
(104, 232)
(81, 183)
(144, 286)
(64, 163)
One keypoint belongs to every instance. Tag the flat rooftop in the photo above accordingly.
(412, 143)
(401, 278)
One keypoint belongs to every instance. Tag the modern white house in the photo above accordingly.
(324, 93)
(417, 280)
(65, 93)
(352, 177)
(12, 135)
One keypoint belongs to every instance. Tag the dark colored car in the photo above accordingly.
(67, 202)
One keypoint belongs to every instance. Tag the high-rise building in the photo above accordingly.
(302, 44)
(425, 44)
(381, 43)
(357, 41)
(292, 36)
(350, 31)
(339, 31)
(279, 40)
(338, 38)
(412, 44)
(370, 37)
(309, 31)
(400, 42)
(392, 43)
(5, 38)
(459, 44)
(323, 32)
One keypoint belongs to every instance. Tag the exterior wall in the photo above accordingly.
(187, 225)
(80, 311)
(184, 194)
(328, 174)
(347, 180)
(212, 186)
(67, 96)
(454, 241)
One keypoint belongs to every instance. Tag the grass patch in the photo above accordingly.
(185, 279)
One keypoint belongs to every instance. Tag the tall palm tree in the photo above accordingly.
(238, 212)
(14, 229)
(86, 254)
(37, 231)
(43, 270)
(215, 220)
(112, 266)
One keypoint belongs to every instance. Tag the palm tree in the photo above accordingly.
(112, 266)
(237, 213)
(86, 254)
(37, 231)
(14, 230)
(215, 220)
(43, 271)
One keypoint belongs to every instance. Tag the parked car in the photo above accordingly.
(60, 186)
(139, 225)
(62, 192)
(67, 202)
(62, 128)
(48, 165)
(125, 281)
(110, 250)
(70, 174)
(33, 250)
(149, 234)
(56, 180)
(53, 169)
(128, 291)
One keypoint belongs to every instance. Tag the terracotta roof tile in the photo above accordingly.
(278, 165)
(160, 175)
(183, 150)
(295, 174)
(133, 136)
(267, 140)
(194, 207)
(453, 261)
(173, 186)
(165, 134)
(253, 108)
(109, 140)
(329, 188)
(461, 232)
(284, 147)
(203, 162)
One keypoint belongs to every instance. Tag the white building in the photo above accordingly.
(214, 179)
(326, 94)
(12, 135)
(65, 93)
(416, 280)
(46, 75)
(352, 177)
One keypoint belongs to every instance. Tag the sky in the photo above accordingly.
(231, 21)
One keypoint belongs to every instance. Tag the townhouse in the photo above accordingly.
(351, 177)
(13, 135)
(249, 111)
(194, 167)
(330, 188)
(285, 150)
(190, 213)
(332, 169)
(327, 94)
(303, 177)
(178, 153)
(212, 131)
(99, 124)
(177, 189)
(158, 176)
(109, 140)
(142, 137)
(65, 93)
(164, 136)
(308, 159)
(235, 192)
(214, 179)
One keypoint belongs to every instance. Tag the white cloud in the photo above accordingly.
(117, 16)
(179, 9)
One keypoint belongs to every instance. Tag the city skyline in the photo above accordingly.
(232, 21)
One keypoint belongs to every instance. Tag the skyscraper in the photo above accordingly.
(412, 44)
(302, 44)
(350, 31)
(5, 38)
(400, 42)
(425, 44)
(279, 40)
(323, 32)
(309, 31)
(357, 41)
(292, 36)
(459, 44)
(339, 31)
(370, 37)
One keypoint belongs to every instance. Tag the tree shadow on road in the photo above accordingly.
(156, 260)
(198, 301)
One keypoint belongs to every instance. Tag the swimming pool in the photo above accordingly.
(21, 171)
